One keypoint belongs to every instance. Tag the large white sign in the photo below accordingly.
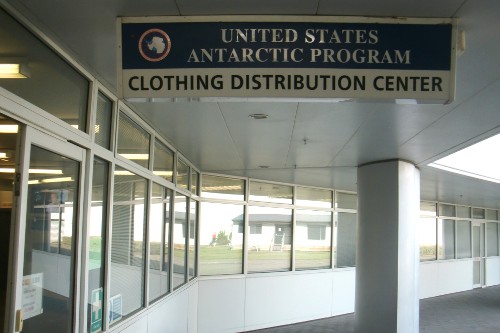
(287, 57)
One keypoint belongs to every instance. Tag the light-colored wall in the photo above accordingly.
(492, 271)
(445, 277)
(256, 301)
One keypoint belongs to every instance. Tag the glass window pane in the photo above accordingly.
(180, 236)
(52, 84)
(491, 214)
(193, 225)
(163, 165)
(182, 174)
(221, 238)
(314, 197)
(345, 247)
(476, 245)
(428, 208)
(97, 231)
(127, 244)
(133, 141)
(269, 245)
(50, 242)
(463, 212)
(464, 249)
(346, 200)
(104, 114)
(271, 192)
(313, 239)
(478, 213)
(492, 239)
(222, 188)
(446, 210)
(195, 179)
(159, 232)
(446, 239)
(427, 238)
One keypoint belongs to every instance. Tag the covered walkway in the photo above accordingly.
(476, 311)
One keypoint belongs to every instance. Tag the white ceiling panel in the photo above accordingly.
(388, 8)
(245, 7)
(321, 131)
(261, 142)
(198, 131)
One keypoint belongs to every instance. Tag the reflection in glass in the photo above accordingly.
(195, 179)
(269, 239)
(478, 213)
(464, 249)
(53, 85)
(127, 244)
(492, 239)
(428, 208)
(463, 212)
(268, 192)
(221, 238)
(193, 217)
(313, 239)
(222, 188)
(345, 237)
(180, 235)
(182, 174)
(447, 210)
(50, 243)
(102, 128)
(446, 239)
(159, 232)
(314, 197)
(133, 141)
(491, 214)
(163, 161)
(97, 232)
(346, 200)
(427, 238)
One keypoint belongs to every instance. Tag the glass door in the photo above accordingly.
(48, 251)
(478, 254)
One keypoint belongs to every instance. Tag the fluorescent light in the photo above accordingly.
(123, 173)
(163, 173)
(41, 171)
(135, 156)
(479, 161)
(3, 155)
(56, 180)
(9, 129)
(13, 71)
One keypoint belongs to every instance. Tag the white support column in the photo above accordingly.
(387, 260)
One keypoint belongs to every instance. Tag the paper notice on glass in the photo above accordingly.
(32, 295)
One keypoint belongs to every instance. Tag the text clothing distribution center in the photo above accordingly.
(190, 166)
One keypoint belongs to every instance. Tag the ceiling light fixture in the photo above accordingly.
(11, 69)
(9, 129)
(259, 116)
(135, 156)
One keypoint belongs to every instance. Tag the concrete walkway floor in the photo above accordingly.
(475, 311)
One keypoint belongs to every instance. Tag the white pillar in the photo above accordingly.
(387, 259)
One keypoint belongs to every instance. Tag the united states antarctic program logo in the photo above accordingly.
(154, 45)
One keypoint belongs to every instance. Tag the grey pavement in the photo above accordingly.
(475, 311)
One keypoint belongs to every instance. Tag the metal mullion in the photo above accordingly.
(292, 257)
(186, 241)
(146, 227)
(246, 227)
(171, 242)
(86, 240)
(107, 236)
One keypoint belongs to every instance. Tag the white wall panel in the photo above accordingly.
(192, 319)
(492, 271)
(171, 314)
(283, 299)
(139, 325)
(221, 304)
(344, 286)
(445, 277)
